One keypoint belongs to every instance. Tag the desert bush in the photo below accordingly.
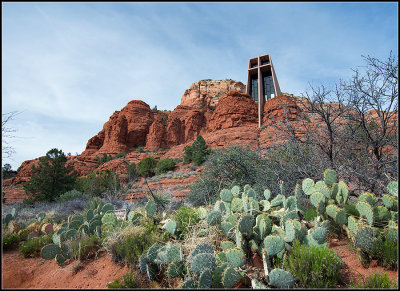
(85, 246)
(10, 241)
(32, 247)
(146, 166)
(129, 281)
(386, 252)
(375, 281)
(132, 172)
(315, 267)
(127, 245)
(120, 155)
(185, 219)
(225, 168)
(71, 195)
(97, 183)
(164, 166)
(310, 214)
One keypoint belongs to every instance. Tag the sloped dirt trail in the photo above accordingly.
(34, 273)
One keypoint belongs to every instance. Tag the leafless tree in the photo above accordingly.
(372, 93)
(7, 133)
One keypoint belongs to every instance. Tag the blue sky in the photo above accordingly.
(68, 66)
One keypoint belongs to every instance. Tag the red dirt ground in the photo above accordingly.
(21, 273)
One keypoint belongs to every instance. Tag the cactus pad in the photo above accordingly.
(364, 238)
(319, 234)
(267, 194)
(365, 210)
(226, 244)
(226, 195)
(316, 197)
(235, 257)
(279, 200)
(107, 207)
(330, 177)
(237, 205)
(273, 244)
(368, 197)
(290, 231)
(60, 259)
(389, 201)
(235, 190)
(217, 275)
(203, 249)
(220, 258)
(205, 280)
(263, 225)
(175, 268)
(228, 229)
(308, 186)
(230, 277)
(214, 218)
(382, 214)
(189, 284)
(246, 224)
(170, 226)
(281, 279)
(201, 262)
(152, 252)
(50, 251)
(150, 208)
(174, 253)
(392, 188)
(352, 223)
(74, 224)
(265, 204)
(109, 218)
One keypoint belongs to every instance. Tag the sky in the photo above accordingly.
(67, 66)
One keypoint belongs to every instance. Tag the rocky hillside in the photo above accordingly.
(220, 111)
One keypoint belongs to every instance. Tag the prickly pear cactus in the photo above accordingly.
(273, 244)
(364, 238)
(214, 218)
(308, 186)
(281, 279)
(50, 251)
(171, 226)
(236, 257)
(230, 277)
(330, 177)
(151, 208)
(201, 262)
(226, 195)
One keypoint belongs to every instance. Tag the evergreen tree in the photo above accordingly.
(197, 152)
(51, 177)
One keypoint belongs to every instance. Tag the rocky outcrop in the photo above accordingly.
(234, 109)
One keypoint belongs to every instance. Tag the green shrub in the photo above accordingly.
(129, 281)
(132, 172)
(120, 155)
(127, 245)
(315, 267)
(185, 219)
(165, 165)
(96, 182)
(386, 252)
(10, 241)
(103, 159)
(85, 246)
(146, 166)
(32, 247)
(140, 149)
(71, 195)
(375, 281)
(310, 214)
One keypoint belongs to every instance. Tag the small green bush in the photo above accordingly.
(70, 195)
(315, 267)
(132, 172)
(129, 281)
(120, 155)
(165, 165)
(127, 245)
(85, 246)
(197, 152)
(103, 159)
(10, 241)
(310, 214)
(146, 166)
(32, 247)
(375, 281)
(386, 252)
(185, 219)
